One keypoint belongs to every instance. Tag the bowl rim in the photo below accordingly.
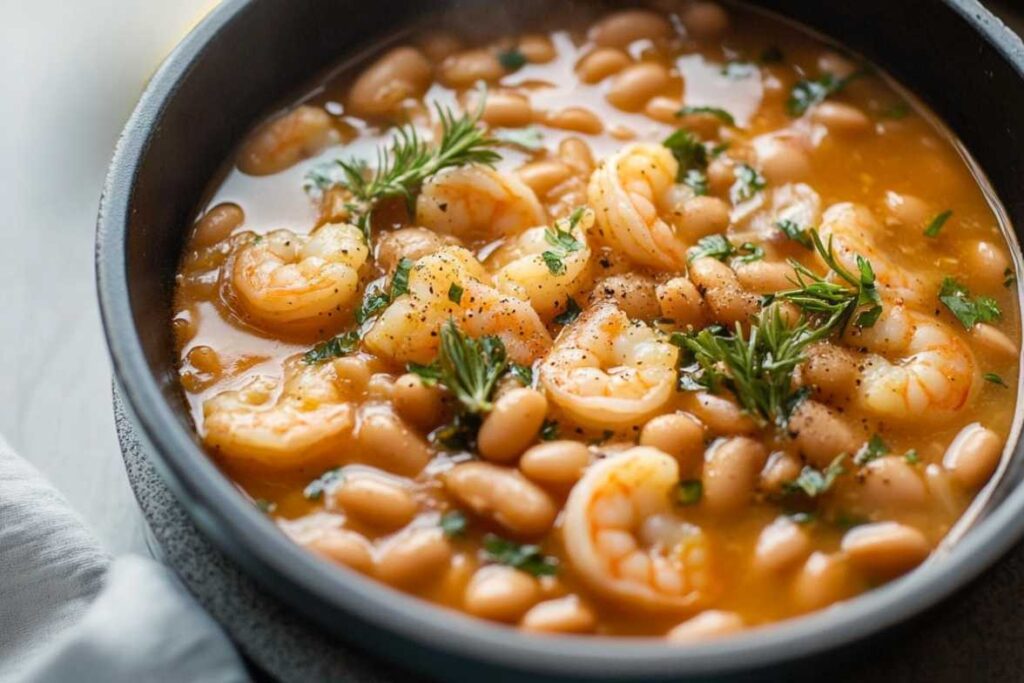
(297, 577)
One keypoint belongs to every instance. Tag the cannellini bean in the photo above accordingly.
(410, 243)
(576, 153)
(781, 545)
(987, 263)
(602, 63)
(204, 359)
(543, 176)
(502, 494)
(217, 223)
(836, 64)
(831, 370)
(705, 20)
(415, 401)
(890, 483)
(400, 74)
(463, 69)
(512, 425)
(973, 456)
(781, 159)
(780, 469)
(507, 110)
(727, 302)
(555, 462)
(680, 302)
(537, 48)
(841, 118)
(281, 143)
(822, 580)
(731, 467)
(820, 433)
(994, 340)
(500, 593)
(414, 557)
(907, 210)
(575, 118)
(343, 547)
(885, 549)
(634, 294)
(353, 372)
(622, 28)
(663, 109)
(680, 435)
(387, 442)
(636, 84)
(562, 615)
(712, 623)
(436, 46)
(701, 216)
(720, 415)
(766, 277)
(375, 500)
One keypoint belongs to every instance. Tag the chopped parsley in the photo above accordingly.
(524, 557)
(719, 247)
(339, 346)
(936, 223)
(571, 312)
(696, 180)
(400, 279)
(455, 294)
(522, 373)
(719, 113)
(512, 59)
(995, 379)
(793, 231)
(325, 483)
(689, 492)
(549, 430)
(809, 92)
(530, 138)
(748, 183)
(374, 301)
(561, 238)
(874, 449)
(968, 311)
(453, 523)
(813, 482)
(688, 150)
(912, 457)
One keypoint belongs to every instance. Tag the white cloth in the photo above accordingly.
(68, 612)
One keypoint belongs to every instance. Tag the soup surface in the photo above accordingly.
(666, 323)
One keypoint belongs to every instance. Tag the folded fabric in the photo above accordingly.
(70, 612)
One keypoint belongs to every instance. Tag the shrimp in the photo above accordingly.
(852, 227)
(607, 371)
(625, 541)
(311, 417)
(625, 192)
(290, 281)
(451, 284)
(539, 268)
(916, 368)
(477, 202)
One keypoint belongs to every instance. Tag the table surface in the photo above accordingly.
(67, 90)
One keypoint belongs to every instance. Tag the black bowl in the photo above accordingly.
(236, 66)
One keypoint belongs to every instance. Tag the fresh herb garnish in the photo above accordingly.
(748, 183)
(512, 59)
(697, 181)
(719, 247)
(549, 430)
(968, 311)
(469, 368)
(453, 523)
(455, 294)
(719, 113)
(339, 346)
(793, 231)
(689, 492)
(400, 278)
(912, 457)
(813, 482)
(995, 379)
(374, 301)
(530, 138)
(809, 92)
(936, 223)
(688, 150)
(316, 489)
(522, 373)
(872, 450)
(524, 557)
(571, 312)
(561, 238)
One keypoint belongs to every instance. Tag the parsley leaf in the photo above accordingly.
(374, 301)
(522, 373)
(688, 150)
(936, 224)
(689, 492)
(968, 311)
(794, 232)
(809, 92)
(995, 379)
(697, 181)
(548, 430)
(571, 312)
(719, 247)
(524, 557)
(875, 448)
(325, 483)
(719, 113)
(455, 294)
(912, 457)
(812, 482)
(530, 138)
(748, 183)
(400, 278)
(339, 346)
(561, 238)
(512, 59)
(453, 523)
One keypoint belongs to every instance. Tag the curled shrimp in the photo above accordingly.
(477, 202)
(607, 371)
(309, 418)
(283, 280)
(625, 192)
(451, 284)
(625, 541)
(538, 267)
(916, 368)
(851, 228)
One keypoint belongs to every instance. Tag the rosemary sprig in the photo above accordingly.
(467, 367)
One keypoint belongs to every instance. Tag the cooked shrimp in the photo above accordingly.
(917, 367)
(607, 371)
(626, 191)
(545, 274)
(852, 229)
(284, 280)
(407, 329)
(624, 539)
(477, 202)
(310, 418)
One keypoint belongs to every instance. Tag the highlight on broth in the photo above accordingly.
(674, 323)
